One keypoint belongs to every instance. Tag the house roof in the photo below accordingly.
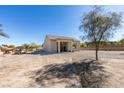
(61, 37)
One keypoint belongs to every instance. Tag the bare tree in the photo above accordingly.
(98, 25)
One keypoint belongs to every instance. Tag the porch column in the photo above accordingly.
(58, 46)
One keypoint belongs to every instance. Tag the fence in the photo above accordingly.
(106, 48)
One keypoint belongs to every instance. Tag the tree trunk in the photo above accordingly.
(97, 47)
(96, 53)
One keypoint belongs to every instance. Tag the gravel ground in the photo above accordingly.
(16, 70)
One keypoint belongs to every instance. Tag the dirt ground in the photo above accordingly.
(17, 70)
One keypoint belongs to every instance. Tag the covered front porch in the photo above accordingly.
(66, 46)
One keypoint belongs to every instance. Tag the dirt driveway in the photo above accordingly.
(16, 70)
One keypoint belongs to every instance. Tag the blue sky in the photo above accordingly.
(30, 24)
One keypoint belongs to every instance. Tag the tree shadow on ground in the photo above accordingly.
(86, 73)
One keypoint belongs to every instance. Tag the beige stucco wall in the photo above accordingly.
(53, 44)
(46, 45)
(50, 45)
(69, 46)
(77, 44)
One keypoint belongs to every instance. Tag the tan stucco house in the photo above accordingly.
(60, 44)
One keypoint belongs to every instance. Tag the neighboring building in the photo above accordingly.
(60, 44)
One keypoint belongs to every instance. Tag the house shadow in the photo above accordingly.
(37, 52)
(85, 74)
(121, 53)
(42, 52)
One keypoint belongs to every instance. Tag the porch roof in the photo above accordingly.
(61, 38)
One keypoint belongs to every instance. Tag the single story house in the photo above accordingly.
(60, 44)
